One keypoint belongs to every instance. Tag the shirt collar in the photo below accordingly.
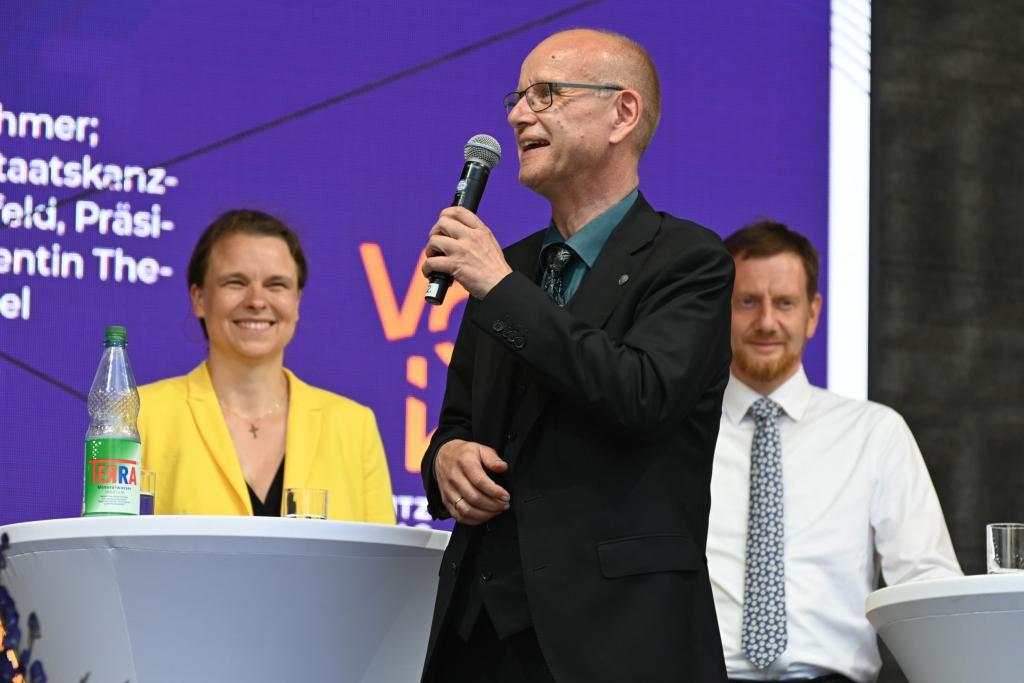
(588, 240)
(793, 396)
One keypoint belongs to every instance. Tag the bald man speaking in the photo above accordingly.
(575, 441)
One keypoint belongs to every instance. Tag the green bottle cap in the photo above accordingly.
(115, 335)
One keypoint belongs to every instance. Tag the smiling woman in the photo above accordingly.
(229, 437)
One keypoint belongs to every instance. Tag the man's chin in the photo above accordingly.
(530, 179)
(769, 371)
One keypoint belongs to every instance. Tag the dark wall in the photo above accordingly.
(947, 250)
(947, 236)
(947, 243)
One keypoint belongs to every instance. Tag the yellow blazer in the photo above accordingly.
(332, 443)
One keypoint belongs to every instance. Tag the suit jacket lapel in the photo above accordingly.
(209, 421)
(305, 416)
(600, 292)
(608, 280)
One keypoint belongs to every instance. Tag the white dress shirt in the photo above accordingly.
(857, 498)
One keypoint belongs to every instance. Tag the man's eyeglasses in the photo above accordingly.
(540, 96)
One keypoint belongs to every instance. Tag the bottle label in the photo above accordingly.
(112, 477)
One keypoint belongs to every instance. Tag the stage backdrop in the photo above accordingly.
(126, 128)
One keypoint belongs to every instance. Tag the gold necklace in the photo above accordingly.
(253, 429)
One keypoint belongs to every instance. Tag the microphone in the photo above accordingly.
(482, 153)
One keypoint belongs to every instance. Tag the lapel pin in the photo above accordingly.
(623, 279)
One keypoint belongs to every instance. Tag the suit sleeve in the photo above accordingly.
(456, 419)
(653, 375)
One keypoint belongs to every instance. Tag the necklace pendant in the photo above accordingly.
(253, 429)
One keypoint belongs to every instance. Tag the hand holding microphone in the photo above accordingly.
(461, 246)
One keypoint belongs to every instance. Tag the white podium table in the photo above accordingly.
(961, 630)
(173, 598)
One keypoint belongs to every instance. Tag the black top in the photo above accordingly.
(271, 507)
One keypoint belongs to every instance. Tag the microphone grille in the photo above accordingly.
(484, 150)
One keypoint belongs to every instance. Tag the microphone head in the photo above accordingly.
(484, 150)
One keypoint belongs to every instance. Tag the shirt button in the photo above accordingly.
(487, 576)
(512, 435)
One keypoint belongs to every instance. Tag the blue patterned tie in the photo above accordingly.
(764, 588)
(556, 256)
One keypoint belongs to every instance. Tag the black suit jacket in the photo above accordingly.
(607, 412)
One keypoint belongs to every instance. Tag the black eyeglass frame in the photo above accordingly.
(552, 85)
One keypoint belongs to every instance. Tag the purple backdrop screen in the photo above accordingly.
(126, 128)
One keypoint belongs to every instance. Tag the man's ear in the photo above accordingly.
(812, 320)
(629, 106)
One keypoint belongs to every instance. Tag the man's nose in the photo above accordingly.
(766, 319)
(521, 114)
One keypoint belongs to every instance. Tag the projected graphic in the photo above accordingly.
(125, 130)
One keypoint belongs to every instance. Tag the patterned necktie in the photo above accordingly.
(556, 256)
(764, 589)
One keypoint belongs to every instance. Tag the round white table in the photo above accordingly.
(176, 598)
(962, 630)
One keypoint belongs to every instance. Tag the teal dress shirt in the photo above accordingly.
(586, 243)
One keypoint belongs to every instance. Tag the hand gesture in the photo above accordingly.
(469, 493)
(462, 246)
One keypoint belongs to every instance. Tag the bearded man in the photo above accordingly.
(812, 493)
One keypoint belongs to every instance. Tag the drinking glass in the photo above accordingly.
(1004, 544)
(304, 503)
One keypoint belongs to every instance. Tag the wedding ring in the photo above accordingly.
(456, 505)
